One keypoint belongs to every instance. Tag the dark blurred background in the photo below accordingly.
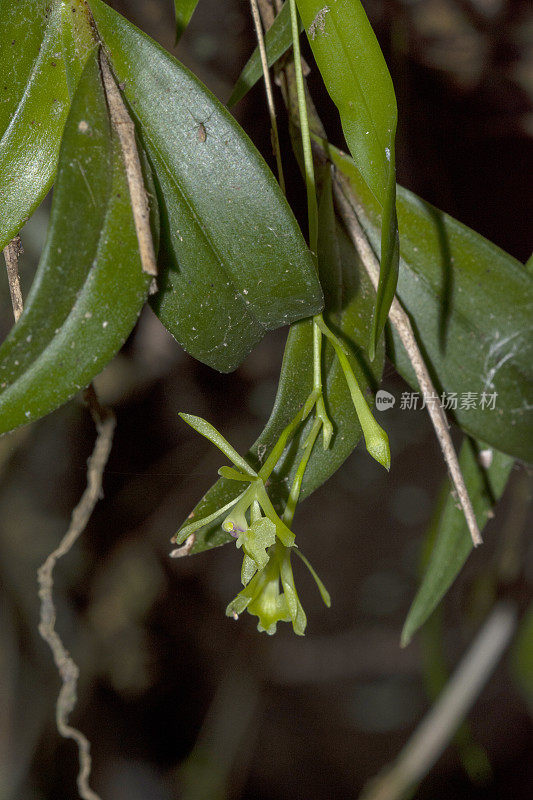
(177, 700)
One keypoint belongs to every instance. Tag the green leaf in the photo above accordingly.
(349, 304)
(43, 47)
(453, 542)
(78, 39)
(470, 304)
(33, 110)
(278, 39)
(233, 260)
(89, 286)
(356, 76)
(205, 428)
(184, 9)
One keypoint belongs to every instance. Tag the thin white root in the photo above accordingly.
(68, 669)
(398, 317)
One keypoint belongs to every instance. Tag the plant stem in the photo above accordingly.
(270, 95)
(312, 206)
(312, 214)
(292, 501)
(279, 447)
(327, 427)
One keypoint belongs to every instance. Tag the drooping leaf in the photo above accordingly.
(349, 303)
(470, 304)
(278, 39)
(89, 286)
(183, 9)
(356, 76)
(233, 260)
(453, 542)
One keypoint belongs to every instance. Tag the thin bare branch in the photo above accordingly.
(440, 724)
(347, 205)
(125, 129)
(269, 93)
(68, 670)
(11, 255)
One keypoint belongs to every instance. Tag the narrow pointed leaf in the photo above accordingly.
(453, 542)
(205, 428)
(89, 286)
(470, 304)
(183, 9)
(349, 303)
(278, 39)
(356, 76)
(233, 260)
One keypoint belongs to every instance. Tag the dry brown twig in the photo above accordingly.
(438, 727)
(11, 255)
(125, 129)
(347, 206)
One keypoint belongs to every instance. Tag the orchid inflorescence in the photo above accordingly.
(264, 536)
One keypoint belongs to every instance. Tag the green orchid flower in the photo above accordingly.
(254, 542)
(262, 596)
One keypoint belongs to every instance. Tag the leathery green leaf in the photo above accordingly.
(78, 39)
(183, 9)
(356, 76)
(470, 304)
(233, 260)
(349, 303)
(89, 286)
(278, 39)
(453, 542)
(43, 48)
(33, 110)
